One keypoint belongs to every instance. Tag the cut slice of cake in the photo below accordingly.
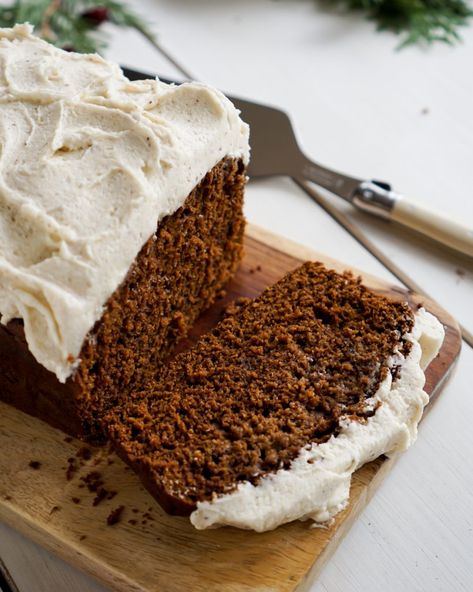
(120, 221)
(267, 417)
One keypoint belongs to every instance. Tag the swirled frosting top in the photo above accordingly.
(89, 163)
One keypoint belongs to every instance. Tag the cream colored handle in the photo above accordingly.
(434, 224)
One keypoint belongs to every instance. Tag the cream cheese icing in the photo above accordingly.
(89, 163)
(317, 484)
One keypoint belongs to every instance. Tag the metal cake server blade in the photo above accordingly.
(275, 151)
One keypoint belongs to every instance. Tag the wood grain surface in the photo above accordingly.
(146, 550)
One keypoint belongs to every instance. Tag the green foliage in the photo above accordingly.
(62, 22)
(420, 21)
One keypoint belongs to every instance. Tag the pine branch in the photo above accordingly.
(418, 21)
(73, 24)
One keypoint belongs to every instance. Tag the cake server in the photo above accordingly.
(275, 151)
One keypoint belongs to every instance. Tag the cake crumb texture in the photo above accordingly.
(274, 376)
(177, 275)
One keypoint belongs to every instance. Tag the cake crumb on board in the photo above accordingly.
(115, 516)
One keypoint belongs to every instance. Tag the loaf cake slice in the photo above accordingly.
(120, 221)
(267, 417)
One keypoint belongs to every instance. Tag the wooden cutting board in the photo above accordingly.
(146, 550)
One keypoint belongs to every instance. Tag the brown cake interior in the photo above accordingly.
(276, 375)
(177, 274)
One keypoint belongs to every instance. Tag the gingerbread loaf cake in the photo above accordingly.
(120, 222)
(265, 419)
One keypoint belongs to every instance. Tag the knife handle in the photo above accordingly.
(434, 224)
(381, 201)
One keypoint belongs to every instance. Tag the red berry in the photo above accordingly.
(96, 16)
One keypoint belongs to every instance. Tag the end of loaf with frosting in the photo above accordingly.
(267, 417)
(317, 484)
(90, 164)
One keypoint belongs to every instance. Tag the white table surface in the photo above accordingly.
(362, 107)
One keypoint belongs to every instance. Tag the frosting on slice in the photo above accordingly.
(317, 484)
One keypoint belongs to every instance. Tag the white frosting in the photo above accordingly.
(317, 484)
(89, 162)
